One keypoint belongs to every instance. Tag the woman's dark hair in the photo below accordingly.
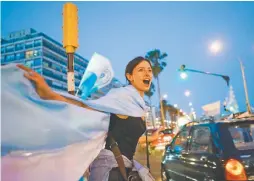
(132, 64)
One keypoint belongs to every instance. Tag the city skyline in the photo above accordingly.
(184, 30)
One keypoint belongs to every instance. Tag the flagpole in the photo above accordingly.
(245, 88)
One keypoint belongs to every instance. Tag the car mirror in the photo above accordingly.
(178, 149)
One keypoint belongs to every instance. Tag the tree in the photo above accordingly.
(149, 94)
(158, 64)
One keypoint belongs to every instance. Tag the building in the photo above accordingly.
(47, 57)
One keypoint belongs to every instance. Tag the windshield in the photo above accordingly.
(243, 135)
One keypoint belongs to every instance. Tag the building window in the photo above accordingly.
(54, 48)
(55, 58)
(38, 70)
(37, 52)
(49, 82)
(47, 72)
(2, 50)
(20, 56)
(57, 84)
(37, 42)
(19, 46)
(32, 53)
(29, 44)
(45, 64)
(29, 63)
(9, 48)
(2, 58)
(9, 58)
(29, 54)
(37, 62)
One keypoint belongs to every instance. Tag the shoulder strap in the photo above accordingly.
(118, 155)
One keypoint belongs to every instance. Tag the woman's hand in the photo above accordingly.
(42, 88)
(158, 133)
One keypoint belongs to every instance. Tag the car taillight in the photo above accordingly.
(234, 170)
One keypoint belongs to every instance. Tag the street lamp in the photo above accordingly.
(175, 105)
(165, 96)
(187, 93)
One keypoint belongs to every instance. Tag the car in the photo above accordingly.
(165, 137)
(211, 151)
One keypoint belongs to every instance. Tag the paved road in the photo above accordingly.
(155, 162)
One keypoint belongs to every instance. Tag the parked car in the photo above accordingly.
(165, 137)
(211, 151)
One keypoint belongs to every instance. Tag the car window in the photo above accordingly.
(166, 131)
(201, 140)
(242, 136)
(181, 139)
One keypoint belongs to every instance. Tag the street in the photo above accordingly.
(155, 160)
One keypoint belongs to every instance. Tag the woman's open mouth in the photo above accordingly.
(146, 82)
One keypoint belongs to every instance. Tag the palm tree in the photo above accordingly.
(149, 94)
(158, 64)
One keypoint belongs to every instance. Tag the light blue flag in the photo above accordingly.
(53, 140)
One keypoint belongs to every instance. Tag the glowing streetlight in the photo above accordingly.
(175, 105)
(216, 47)
(187, 93)
(165, 96)
(183, 75)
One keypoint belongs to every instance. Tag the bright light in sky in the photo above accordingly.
(183, 75)
(187, 93)
(165, 96)
(175, 105)
(190, 103)
(216, 47)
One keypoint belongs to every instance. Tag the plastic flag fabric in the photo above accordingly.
(98, 74)
(52, 140)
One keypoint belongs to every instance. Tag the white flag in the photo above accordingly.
(212, 109)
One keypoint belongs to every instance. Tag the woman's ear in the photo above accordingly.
(129, 77)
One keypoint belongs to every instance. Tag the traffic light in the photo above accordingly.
(70, 27)
(182, 68)
(183, 74)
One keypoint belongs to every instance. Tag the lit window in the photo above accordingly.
(29, 63)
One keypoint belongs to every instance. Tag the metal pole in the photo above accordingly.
(70, 74)
(245, 88)
(225, 77)
(147, 150)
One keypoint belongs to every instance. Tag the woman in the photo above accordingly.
(126, 130)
